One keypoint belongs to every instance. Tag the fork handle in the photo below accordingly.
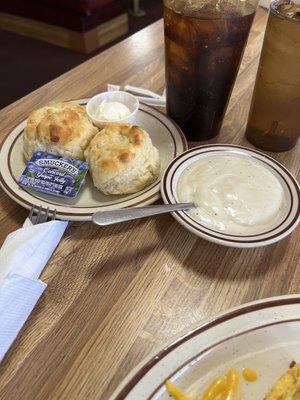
(104, 218)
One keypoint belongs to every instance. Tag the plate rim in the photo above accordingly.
(229, 240)
(195, 329)
(86, 216)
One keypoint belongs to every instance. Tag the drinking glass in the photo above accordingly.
(204, 44)
(274, 118)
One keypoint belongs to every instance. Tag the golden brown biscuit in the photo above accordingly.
(60, 128)
(122, 159)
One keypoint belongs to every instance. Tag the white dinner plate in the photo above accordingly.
(285, 223)
(263, 335)
(165, 134)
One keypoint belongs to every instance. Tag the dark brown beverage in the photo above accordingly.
(203, 50)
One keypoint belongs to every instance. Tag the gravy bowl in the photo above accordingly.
(245, 198)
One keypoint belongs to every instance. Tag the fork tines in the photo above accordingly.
(37, 215)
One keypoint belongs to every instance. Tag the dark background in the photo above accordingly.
(26, 63)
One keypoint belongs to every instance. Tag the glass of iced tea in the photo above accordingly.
(274, 118)
(204, 44)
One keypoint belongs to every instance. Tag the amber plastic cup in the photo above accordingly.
(274, 118)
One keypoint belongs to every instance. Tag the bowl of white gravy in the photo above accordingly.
(244, 198)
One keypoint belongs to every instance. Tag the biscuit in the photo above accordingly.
(122, 159)
(60, 128)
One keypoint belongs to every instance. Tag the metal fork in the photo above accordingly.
(38, 216)
(103, 218)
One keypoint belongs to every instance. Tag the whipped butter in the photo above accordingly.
(233, 194)
(111, 111)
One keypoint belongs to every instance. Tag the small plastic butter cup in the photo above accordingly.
(125, 98)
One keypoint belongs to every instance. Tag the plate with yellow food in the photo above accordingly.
(60, 159)
(251, 352)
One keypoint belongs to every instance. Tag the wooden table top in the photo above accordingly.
(115, 294)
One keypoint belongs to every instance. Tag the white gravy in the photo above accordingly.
(233, 194)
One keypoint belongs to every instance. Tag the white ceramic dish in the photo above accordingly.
(125, 98)
(281, 229)
(165, 134)
(263, 335)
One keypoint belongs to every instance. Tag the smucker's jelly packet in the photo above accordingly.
(52, 174)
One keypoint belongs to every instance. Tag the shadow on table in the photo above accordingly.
(95, 231)
(217, 261)
(107, 242)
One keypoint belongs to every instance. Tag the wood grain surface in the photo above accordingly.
(117, 293)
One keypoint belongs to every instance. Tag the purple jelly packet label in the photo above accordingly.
(52, 174)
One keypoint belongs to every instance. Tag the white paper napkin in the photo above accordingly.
(23, 256)
(144, 95)
(265, 3)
